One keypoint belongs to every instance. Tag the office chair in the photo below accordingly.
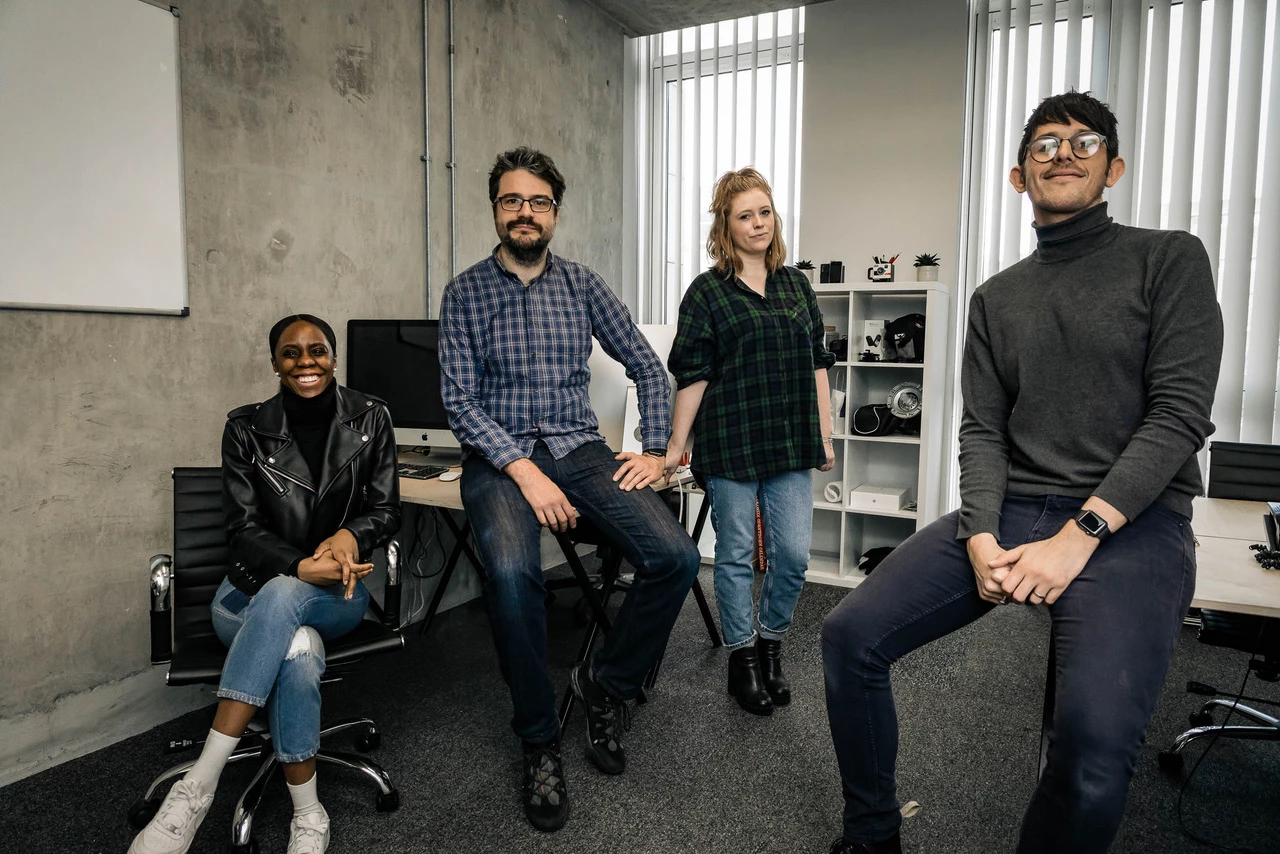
(182, 590)
(1251, 473)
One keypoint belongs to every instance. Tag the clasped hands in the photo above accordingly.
(336, 560)
(1033, 573)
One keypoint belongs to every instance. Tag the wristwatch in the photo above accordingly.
(1093, 525)
(656, 452)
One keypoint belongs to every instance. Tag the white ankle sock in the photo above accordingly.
(217, 750)
(304, 797)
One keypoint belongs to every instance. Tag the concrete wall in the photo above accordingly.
(545, 74)
(883, 145)
(303, 132)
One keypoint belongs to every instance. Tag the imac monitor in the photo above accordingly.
(399, 361)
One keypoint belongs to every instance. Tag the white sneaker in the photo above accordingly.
(309, 833)
(176, 822)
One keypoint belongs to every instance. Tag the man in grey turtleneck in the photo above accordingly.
(1088, 378)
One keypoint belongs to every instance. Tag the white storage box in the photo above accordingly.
(867, 496)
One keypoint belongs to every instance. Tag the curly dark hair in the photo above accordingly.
(1082, 107)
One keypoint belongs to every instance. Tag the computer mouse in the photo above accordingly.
(450, 476)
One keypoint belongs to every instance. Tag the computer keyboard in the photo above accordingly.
(420, 471)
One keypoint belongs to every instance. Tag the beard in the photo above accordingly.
(525, 250)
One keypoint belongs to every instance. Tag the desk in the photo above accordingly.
(447, 497)
(1227, 576)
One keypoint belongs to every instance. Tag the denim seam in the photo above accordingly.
(735, 646)
(240, 696)
(866, 698)
(1034, 529)
(291, 758)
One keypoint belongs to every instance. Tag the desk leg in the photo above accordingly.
(460, 546)
(1046, 715)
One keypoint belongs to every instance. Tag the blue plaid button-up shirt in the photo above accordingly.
(513, 360)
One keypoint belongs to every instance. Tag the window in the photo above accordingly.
(707, 99)
(1193, 86)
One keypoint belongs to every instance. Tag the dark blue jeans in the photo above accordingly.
(508, 535)
(1114, 629)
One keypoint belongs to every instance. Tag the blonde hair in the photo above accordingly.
(724, 255)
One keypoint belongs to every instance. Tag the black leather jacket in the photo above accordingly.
(276, 515)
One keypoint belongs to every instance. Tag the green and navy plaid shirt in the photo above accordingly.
(759, 414)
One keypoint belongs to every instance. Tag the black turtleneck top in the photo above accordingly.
(309, 420)
(1089, 369)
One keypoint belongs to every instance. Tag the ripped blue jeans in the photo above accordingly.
(276, 655)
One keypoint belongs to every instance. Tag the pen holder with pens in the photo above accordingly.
(880, 273)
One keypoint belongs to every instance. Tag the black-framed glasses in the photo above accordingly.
(538, 204)
(1084, 145)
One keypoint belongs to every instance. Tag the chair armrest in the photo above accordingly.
(391, 593)
(160, 570)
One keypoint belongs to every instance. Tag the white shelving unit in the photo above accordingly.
(840, 534)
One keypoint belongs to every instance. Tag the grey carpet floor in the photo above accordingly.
(702, 775)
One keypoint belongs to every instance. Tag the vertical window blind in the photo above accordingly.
(707, 99)
(1193, 85)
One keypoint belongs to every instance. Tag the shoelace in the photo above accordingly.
(179, 808)
(613, 713)
(308, 838)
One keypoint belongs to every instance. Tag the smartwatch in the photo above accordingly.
(1093, 525)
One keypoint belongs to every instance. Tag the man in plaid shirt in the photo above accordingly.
(515, 336)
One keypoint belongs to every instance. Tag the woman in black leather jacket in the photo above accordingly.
(309, 490)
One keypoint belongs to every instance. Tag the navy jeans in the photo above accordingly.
(508, 536)
(1114, 629)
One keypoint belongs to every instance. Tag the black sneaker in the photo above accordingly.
(607, 719)
(546, 800)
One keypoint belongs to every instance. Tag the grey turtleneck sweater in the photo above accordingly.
(1089, 369)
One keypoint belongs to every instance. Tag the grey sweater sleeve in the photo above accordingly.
(984, 448)
(1184, 352)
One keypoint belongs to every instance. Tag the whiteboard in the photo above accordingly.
(91, 204)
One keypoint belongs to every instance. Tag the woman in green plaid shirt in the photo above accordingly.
(751, 367)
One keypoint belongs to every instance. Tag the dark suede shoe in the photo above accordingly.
(546, 799)
(770, 655)
(745, 683)
(607, 719)
(892, 845)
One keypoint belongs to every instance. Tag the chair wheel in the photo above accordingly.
(251, 848)
(1200, 719)
(369, 741)
(141, 812)
(1170, 762)
(389, 802)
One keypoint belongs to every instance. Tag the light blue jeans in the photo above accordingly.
(786, 505)
(276, 655)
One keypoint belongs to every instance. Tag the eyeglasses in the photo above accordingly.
(1084, 145)
(538, 204)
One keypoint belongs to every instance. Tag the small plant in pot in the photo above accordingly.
(806, 267)
(926, 268)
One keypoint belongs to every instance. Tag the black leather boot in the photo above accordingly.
(745, 683)
(770, 655)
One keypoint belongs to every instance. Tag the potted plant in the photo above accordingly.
(926, 268)
(806, 267)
